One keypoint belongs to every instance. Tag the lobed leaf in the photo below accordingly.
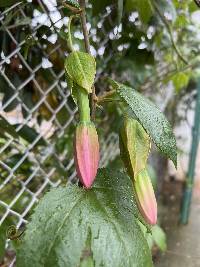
(73, 226)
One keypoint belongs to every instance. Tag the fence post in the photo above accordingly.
(187, 194)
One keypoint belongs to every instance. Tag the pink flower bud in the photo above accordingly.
(145, 197)
(86, 152)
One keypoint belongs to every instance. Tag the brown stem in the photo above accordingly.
(73, 9)
(105, 96)
(87, 48)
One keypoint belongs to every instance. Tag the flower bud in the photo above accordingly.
(145, 197)
(134, 146)
(86, 152)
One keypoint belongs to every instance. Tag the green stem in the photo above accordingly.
(69, 33)
(83, 105)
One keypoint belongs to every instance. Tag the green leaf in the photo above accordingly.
(152, 119)
(81, 68)
(6, 127)
(180, 80)
(159, 237)
(6, 3)
(73, 3)
(3, 228)
(72, 224)
(29, 134)
(120, 10)
(143, 7)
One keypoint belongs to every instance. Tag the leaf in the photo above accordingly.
(159, 237)
(73, 3)
(3, 228)
(180, 80)
(81, 68)
(143, 7)
(72, 223)
(6, 3)
(6, 127)
(152, 119)
(120, 10)
(29, 134)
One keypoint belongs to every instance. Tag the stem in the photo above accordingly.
(83, 105)
(105, 96)
(69, 33)
(87, 48)
(168, 26)
(84, 26)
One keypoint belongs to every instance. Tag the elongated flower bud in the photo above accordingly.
(145, 197)
(134, 146)
(134, 150)
(86, 152)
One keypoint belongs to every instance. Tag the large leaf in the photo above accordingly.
(152, 119)
(73, 226)
(81, 69)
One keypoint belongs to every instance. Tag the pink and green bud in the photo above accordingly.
(86, 152)
(145, 197)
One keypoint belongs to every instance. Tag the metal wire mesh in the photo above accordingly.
(26, 166)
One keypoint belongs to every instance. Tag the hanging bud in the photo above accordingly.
(86, 152)
(134, 150)
(145, 197)
(134, 146)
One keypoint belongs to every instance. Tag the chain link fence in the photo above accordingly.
(37, 113)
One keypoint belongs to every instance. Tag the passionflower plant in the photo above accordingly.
(86, 152)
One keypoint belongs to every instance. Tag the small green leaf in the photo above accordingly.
(6, 127)
(3, 228)
(29, 134)
(159, 237)
(180, 80)
(73, 3)
(152, 119)
(81, 69)
(72, 225)
(7, 3)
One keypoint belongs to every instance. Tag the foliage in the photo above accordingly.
(153, 121)
(72, 224)
(147, 45)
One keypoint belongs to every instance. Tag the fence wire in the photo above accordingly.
(39, 109)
